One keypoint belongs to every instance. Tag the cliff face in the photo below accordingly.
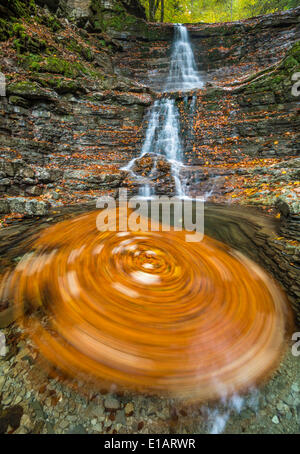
(67, 117)
(77, 90)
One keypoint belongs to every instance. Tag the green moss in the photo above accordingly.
(56, 65)
(29, 44)
(277, 80)
(11, 28)
(26, 89)
(53, 64)
(120, 21)
(87, 54)
(59, 66)
(5, 30)
(18, 101)
(290, 62)
(53, 24)
(22, 42)
(60, 85)
(19, 8)
(49, 21)
(97, 19)
(84, 52)
(295, 51)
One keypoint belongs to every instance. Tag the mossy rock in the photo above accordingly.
(213, 94)
(54, 65)
(18, 101)
(295, 51)
(30, 90)
(277, 80)
(61, 85)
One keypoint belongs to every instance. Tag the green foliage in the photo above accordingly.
(185, 11)
(119, 22)
(25, 43)
(5, 30)
(19, 8)
(84, 52)
(50, 21)
(9, 29)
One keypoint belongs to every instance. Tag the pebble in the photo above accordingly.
(275, 419)
(98, 427)
(129, 409)
(120, 417)
(110, 403)
(79, 429)
(50, 428)
(38, 409)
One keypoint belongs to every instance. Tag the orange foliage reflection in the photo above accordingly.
(149, 311)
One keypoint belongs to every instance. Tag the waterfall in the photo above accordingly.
(183, 74)
(163, 131)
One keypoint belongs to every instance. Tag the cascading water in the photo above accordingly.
(163, 131)
(183, 74)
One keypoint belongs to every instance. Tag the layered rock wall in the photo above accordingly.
(76, 96)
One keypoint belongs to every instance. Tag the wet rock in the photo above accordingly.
(144, 165)
(133, 98)
(26, 172)
(283, 207)
(17, 205)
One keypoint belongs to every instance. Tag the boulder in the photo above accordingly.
(144, 165)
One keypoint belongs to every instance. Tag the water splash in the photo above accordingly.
(218, 416)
